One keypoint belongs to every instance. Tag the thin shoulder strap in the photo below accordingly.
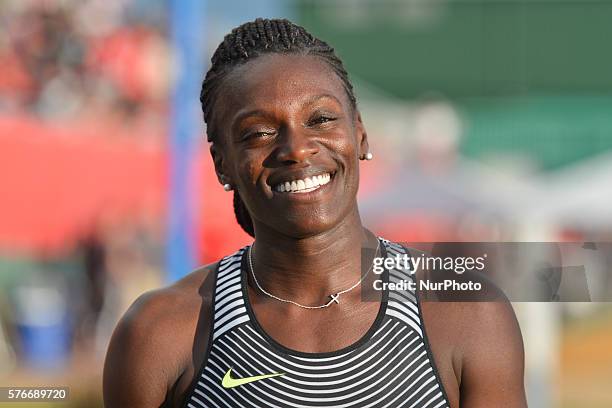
(402, 299)
(229, 307)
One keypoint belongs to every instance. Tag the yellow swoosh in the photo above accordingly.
(229, 382)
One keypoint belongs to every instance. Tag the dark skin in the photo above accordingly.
(284, 117)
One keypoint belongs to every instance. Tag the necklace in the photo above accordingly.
(334, 298)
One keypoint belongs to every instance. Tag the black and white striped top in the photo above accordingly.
(390, 366)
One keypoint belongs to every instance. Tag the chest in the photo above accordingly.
(316, 331)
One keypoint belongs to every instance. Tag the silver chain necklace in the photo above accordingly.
(335, 298)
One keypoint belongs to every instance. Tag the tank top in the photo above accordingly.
(390, 366)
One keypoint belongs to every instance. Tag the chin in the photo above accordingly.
(304, 226)
(301, 229)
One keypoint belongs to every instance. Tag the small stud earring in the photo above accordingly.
(227, 187)
(367, 156)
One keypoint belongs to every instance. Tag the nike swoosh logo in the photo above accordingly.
(229, 382)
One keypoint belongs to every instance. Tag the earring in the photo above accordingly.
(227, 187)
(367, 156)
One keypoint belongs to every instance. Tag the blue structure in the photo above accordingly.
(189, 43)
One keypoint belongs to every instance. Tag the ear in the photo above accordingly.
(362, 135)
(217, 156)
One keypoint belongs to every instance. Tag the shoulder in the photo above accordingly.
(475, 340)
(158, 309)
(152, 343)
(479, 347)
(477, 328)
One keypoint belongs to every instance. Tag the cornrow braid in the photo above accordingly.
(247, 42)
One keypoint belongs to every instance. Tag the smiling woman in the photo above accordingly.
(284, 322)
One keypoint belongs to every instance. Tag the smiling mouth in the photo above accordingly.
(304, 185)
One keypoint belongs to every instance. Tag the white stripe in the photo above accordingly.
(232, 283)
(228, 262)
(222, 398)
(403, 318)
(408, 312)
(441, 403)
(438, 395)
(206, 397)
(239, 320)
(222, 278)
(416, 380)
(235, 295)
(195, 399)
(402, 297)
(220, 320)
(435, 386)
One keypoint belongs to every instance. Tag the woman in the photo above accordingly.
(283, 322)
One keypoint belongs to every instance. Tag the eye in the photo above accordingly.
(321, 119)
(262, 134)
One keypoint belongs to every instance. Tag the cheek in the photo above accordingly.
(246, 168)
(248, 172)
(346, 149)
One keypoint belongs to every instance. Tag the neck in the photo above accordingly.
(308, 270)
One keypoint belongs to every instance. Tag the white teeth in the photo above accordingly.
(305, 185)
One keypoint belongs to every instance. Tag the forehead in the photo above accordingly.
(278, 81)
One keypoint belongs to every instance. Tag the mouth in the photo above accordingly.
(305, 185)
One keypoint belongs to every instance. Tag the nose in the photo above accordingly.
(295, 147)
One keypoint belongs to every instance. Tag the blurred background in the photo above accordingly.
(489, 120)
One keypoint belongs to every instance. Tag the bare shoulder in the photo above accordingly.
(474, 338)
(152, 346)
(478, 348)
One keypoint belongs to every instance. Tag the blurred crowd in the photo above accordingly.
(68, 60)
(72, 64)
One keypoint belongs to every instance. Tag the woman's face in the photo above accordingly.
(286, 121)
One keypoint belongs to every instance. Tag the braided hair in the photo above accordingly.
(247, 42)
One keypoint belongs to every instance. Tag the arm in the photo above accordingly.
(139, 368)
(157, 346)
(492, 366)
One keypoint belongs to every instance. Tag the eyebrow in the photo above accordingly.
(259, 112)
(322, 96)
(253, 112)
